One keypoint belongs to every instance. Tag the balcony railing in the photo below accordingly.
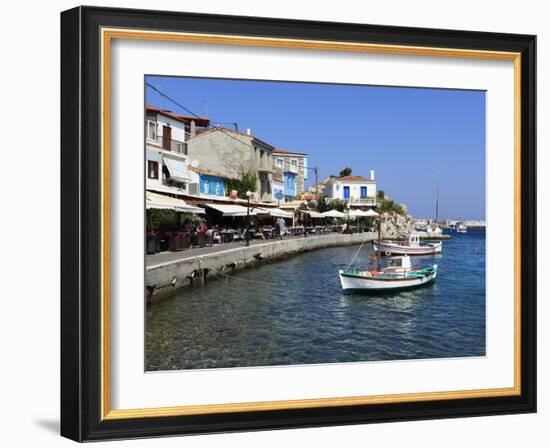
(176, 146)
(362, 201)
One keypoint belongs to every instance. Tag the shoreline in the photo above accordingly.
(184, 269)
(164, 279)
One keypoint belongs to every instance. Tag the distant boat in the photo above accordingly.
(434, 229)
(461, 227)
(397, 275)
(410, 247)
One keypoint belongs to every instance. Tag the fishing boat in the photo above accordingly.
(434, 229)
(410, 247)
(397, 275)
(461, 227)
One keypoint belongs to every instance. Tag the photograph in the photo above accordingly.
(293, 223)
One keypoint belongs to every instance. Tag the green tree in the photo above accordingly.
(346, 171)
(387, 205)
(163, 220)
(336, 204)
(247, 182)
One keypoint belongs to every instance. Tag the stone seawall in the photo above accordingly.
(164, 279)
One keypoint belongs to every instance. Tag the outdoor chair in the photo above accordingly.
(151, 244)
(186, 241)
(209, 240)
(201, 240)
(173, 243)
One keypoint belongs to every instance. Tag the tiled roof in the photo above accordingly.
(232, 131)
(284, 151)
(353, 179)
(207, 172)
(199, 121)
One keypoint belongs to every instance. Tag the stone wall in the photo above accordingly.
(164, 279)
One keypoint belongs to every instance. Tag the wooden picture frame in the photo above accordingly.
(86, 34)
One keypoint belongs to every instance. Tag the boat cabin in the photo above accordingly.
(399, 264)
(414, 240)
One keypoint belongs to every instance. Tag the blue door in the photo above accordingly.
(346, 192)
(363, 192)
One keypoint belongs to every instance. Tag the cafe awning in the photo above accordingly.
(316, 215)
(162, 202)
(235, 210)
(371, 214)
(177, 169)
(333, 214)
(278, 213)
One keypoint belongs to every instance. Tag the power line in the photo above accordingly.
(221, 129)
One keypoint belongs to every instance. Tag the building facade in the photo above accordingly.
(232, 154)
(357, 191)
(166, 139)
(292, 167)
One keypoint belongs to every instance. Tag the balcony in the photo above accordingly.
(366, 202)
(169, 144)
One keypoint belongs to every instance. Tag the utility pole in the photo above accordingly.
(316, 169)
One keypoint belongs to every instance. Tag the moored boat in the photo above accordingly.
(410, 247)
(461, 227)
(398, 275)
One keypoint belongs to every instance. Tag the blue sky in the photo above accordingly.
(407, 135)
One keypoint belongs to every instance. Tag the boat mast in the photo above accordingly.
(379, 241)
(437, 197)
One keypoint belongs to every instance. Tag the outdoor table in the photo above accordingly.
(227, 236)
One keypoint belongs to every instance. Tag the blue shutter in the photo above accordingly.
(346, 192)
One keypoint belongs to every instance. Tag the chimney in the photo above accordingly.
(193, 128)
(248, 131)
(371, 174)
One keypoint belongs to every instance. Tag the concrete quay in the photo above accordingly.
(166, 273)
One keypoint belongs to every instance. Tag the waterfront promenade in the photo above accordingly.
(167, 272)
(166, 257)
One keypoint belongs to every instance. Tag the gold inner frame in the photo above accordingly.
(107, 35)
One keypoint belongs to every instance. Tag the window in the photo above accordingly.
(180, 147)
(152, 169)
(346, 192)
(279, 163)
(152, 130)
(218, 188)
(294, 165)
(363, 192)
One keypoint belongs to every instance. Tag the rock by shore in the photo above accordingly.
(396, 226)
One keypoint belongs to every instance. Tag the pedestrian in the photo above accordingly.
(282, 227)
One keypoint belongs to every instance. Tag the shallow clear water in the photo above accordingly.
(294, 312)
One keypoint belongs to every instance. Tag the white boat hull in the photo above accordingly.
(351, 282)
(394, 248)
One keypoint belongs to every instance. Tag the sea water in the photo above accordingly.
(295, 312)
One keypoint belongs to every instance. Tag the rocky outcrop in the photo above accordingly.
(395, 226)
(399, 227)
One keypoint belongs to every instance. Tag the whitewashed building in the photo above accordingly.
(357, 191)
(166, 150)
